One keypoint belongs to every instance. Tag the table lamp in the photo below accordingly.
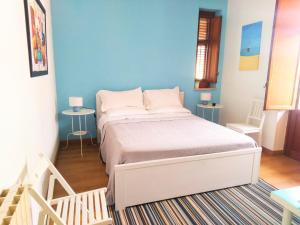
(205, 97)
(76, 103)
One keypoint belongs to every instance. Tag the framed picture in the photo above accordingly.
(250, 46)
(35, 16)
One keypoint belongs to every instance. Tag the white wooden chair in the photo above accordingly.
(254, 122)
(87, 208)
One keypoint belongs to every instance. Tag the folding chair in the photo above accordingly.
(86, 208)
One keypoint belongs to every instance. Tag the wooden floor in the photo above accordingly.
(82, 173)
(280, 170)
(88, 172)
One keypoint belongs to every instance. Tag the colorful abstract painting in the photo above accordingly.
(36, 37)
(250, 46)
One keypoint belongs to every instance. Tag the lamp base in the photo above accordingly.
(76, 108)
(204, 102)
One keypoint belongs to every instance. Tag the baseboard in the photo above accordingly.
(54, 155)
(270, 152)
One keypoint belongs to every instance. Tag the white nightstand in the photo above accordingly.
(208, 107)
(83, 112)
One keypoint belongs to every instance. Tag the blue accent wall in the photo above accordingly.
(124, 44)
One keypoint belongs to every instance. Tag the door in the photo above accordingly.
(282, 91)
(284, 70)
(292, 140)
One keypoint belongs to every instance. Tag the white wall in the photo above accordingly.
(239, 87)
(28, 122)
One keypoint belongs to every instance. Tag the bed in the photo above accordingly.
(151, 157)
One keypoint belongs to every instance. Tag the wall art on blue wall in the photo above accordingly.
(250, 46)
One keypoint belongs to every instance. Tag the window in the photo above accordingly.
(208, 44)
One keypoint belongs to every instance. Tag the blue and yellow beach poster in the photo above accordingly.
(250, 46)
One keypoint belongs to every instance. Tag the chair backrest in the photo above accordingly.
(256, 114)
(15, 205)
(48, 213)
(37, 166)
(47, 210)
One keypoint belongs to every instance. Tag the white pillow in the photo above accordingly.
(161, 98)
(121, 99)
(126, 111)
(169, 110)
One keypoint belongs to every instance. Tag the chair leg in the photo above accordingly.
(41, 218)
(259, 141)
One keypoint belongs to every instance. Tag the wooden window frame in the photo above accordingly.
(212, 41)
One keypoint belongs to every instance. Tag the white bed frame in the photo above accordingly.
(149, 181)
(142, 182)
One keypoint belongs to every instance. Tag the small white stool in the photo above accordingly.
(290, 200)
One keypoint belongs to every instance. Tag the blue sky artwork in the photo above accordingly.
(251, 38)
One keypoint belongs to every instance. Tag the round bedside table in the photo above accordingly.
(209, 106)
(81, 132)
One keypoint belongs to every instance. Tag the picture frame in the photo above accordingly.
(250, 46)
(36, 28)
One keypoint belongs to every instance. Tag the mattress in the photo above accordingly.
(150, 137)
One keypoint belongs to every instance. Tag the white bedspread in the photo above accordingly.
(137, 138)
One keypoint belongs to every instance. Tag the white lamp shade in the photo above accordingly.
(75, 101)
(206, 96)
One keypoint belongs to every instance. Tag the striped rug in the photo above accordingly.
(248, 204)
